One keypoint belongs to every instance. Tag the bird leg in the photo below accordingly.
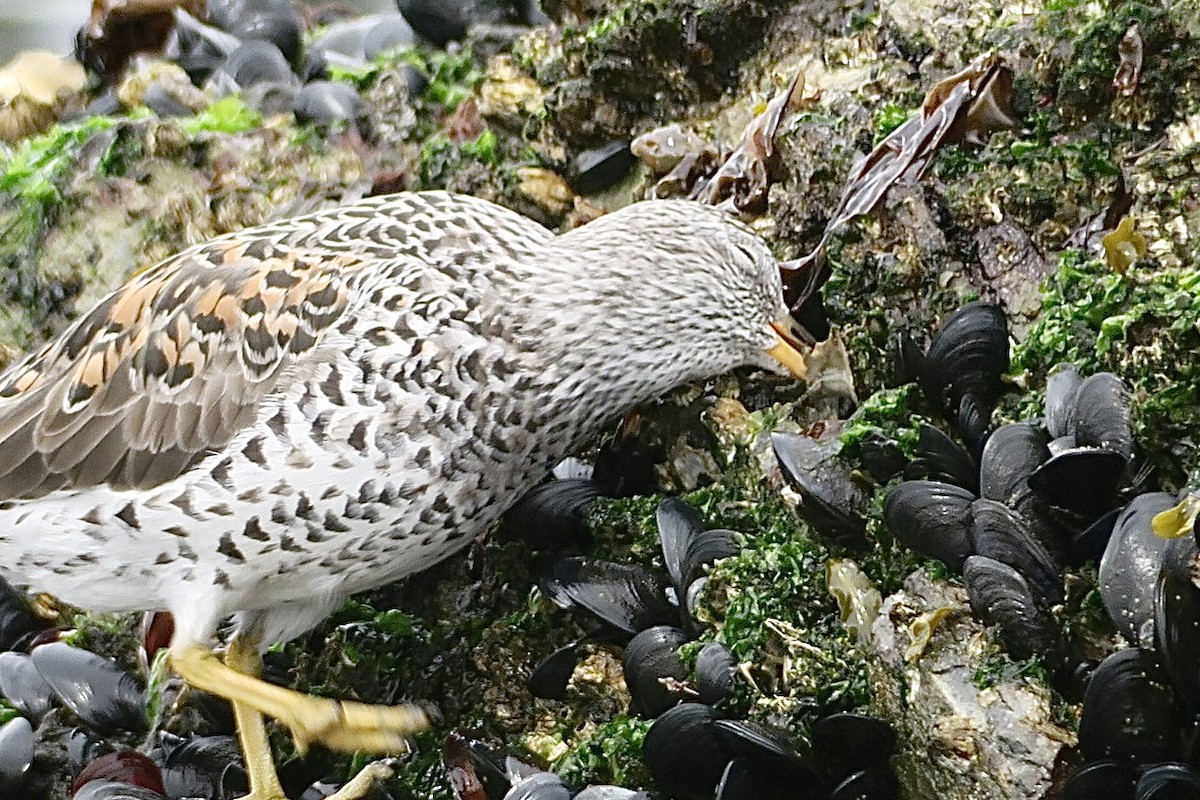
(338, 725)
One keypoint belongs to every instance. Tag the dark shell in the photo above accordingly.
(23, 686)
(539, 786)
(274, 21)
(744, 780)
(391, 32)
(973, 421)
(873, 783)
(832, 501)
(16, 755)
(441, 21)
(932, 518)
(1062, 391)
(769, 748)
(651, 657)
(1168, 782)
(101, 694)
(363, 38)
(1102, 415)
(256, 61)
(968, 355)
(678, 524)
(1000, 596)
(554, 514)
(551, 678)
(684, 753)
(1012, 453)
(940, 458)
(127, 766)
(704, 550)
(881, 456)
(600, 167)
(115, 790)
(1129, 712)
(1130, 566)
(1101, 780)
(716, 673)
(1089, 544)
(474, 766)
(627, 596)
(1081, 479)
(206, 766)
(16, 620)
(846, 743)
(326, 103)
(1177, 633)
(198, 48)
(999, 533)
(610, 793)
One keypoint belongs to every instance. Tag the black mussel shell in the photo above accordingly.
(83, 747)
(115, 790)
(940, 458)
(539, 786)
(1168, 782)
(22, 685)
(744, 780)
(554, 514)
(678, 524)
(627, 596)
(716, 673)
(440, 22)
(1130, 566)
(1129, 711)
(600, 167)
(1000, 596)
(1062, 392)
(874, 783)
(16, 755)
(255, 62)
(1089, 544)
(832, 500)
(1177, 633)
(653, 669)
(1101, 780)
(16, 619)
(846, 743)
(999, 532)
(972, 421)
(327, 103)
(101, 694)
(1102, 415)
(127, 766)
(206, 766)
(932, 518)
(198, 48)
(391, 32)
(1081, 479)
(770, 748)
(684, 752)
(968, 355)
(704, 550)
(550, 678)
(610, 793)
(881, 456)
(1012, 453)
(274, 21)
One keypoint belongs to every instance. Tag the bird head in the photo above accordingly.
(678, 289)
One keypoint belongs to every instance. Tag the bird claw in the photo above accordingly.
(349, 726)
(362, 783)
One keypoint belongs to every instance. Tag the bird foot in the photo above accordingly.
(362, 783)
(348, 726)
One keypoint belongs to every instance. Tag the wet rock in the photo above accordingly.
(956, 740)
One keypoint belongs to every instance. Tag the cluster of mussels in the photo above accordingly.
(1013, 506)
(691, 749)
(257, 48)
(98, 709)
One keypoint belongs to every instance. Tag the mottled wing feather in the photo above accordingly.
(168, 368)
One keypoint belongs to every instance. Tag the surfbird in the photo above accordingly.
(272, 420)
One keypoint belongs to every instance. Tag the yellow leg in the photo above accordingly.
(338, 725)
(251, 728)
